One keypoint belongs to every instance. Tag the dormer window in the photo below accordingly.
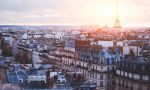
(108, 62)
(103, 53)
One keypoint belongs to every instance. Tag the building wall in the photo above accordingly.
(127, 84)
(24, 55)
(6, 47)
(102, 80)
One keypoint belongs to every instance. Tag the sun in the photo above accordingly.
(107, 12)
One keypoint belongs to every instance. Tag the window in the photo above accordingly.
(134, 66)
(143, 67)
(102, 53)
(130, 66)
(108, 61)
(113, 60)
(101, 76)
(113, 68)
(96, 68)
(108, 76)
(131, 87)
(108, 68)
(101, 83)
(93, 67)
(126, 84)
(140, 89)
(108, 83)
(122, 64)
(148, 88)
(102, 62)
(95, 76)
(119, 82)
(123, 83)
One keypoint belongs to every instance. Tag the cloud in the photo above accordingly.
(68, 11)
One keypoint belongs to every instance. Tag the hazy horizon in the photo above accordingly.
(74, 12)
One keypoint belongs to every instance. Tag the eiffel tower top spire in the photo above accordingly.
(117, 21)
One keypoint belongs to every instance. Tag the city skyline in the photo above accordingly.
(73, 12)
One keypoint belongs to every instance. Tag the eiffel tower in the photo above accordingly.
(117, 25)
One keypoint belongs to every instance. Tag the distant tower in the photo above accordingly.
(117, 25)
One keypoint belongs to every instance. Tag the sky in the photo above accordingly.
(70, 12)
